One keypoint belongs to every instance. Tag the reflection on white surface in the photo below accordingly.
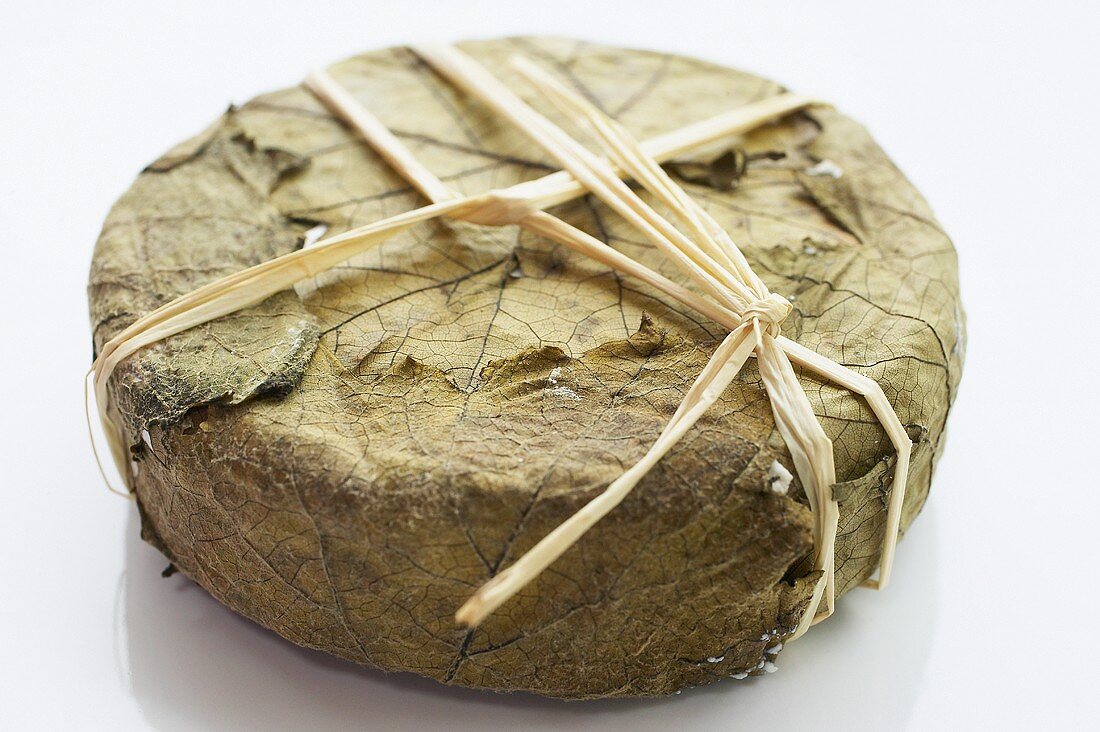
(195, 665)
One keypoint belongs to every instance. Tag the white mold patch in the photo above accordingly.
(825, 167)
(779, 479)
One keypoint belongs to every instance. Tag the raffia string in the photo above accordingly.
(810, 447)
(738, 299)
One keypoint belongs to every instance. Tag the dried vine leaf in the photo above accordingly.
(345, 465)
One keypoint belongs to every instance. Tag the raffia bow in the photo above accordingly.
(734, 296)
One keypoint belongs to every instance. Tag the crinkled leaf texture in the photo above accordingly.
(346, 463)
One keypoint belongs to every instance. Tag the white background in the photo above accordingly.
(990, 108)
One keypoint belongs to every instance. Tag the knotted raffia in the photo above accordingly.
(735, 297)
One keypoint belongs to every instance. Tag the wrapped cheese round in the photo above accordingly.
(348, 461)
